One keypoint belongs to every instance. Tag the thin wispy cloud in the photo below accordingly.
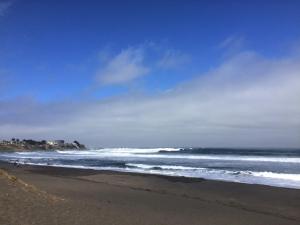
(137, 61)
(232, 44)
(173, 59)
(124, 67)
(4, 6)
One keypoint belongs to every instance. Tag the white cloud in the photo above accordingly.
(173, 59)
(232, 45)
(4, 6)
(247, 101)
(123, 68)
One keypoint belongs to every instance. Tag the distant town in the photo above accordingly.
(16, 144)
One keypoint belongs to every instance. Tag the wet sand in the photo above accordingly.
(48, 195)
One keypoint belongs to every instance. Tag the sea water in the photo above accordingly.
(275, 167)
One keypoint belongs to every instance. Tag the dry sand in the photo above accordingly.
(48, 195)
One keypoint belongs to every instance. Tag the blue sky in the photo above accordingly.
(92, 53)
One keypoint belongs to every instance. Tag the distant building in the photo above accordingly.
(50, 142)
(56, 142)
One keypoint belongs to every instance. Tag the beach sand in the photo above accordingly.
(49, 195)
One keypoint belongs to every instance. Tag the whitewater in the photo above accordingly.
(274, 167)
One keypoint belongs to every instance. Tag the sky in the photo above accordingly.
(151, 73)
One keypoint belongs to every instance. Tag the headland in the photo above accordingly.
(16, 144)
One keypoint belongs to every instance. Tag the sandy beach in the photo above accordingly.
(49, 195)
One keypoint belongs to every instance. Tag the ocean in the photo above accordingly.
(274, 167)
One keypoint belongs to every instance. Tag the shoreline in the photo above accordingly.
(114, 197)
